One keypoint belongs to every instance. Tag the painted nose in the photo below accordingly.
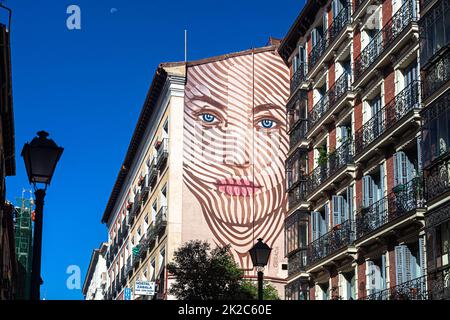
(239, 146)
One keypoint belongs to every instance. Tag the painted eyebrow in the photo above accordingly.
(268, 106)
(210, 101)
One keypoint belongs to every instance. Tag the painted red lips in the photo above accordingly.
(237, 186)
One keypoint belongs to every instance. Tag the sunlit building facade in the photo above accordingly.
(355, 227)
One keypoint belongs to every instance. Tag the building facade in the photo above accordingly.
(206, 162)
(96, 280)
(8, 264)
(355, 227)
(435, 71)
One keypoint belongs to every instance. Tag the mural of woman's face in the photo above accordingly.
(236, 145)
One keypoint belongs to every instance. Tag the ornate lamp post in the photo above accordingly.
(260, 254)
(40, 156)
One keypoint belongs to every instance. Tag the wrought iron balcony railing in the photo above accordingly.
(402, 200)
(357, 4)
(297, 262)
(437, 179)
(328, 101)
(161, 219)
(415, 289)
(339, 237)
(339, 22)
(299, 76)
(151, 234)
(129, 267)
(336, 160)
(136, 208)
(162, 153)
(436, 75)
(297, 193)
(388, 116)
(298, 132)
(405, 15)
(152, 172)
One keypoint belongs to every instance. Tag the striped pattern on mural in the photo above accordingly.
(235, 147)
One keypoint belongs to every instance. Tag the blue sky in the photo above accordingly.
(87, 87)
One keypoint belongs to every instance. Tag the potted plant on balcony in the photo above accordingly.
(158, 144)
(323, 156)
(129, 205)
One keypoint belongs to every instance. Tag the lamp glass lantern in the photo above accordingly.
(260, 254)
(41, 156)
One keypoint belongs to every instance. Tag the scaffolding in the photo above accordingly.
(24, 235)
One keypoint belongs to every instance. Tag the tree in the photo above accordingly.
(202, 273)
(205, 274)
(250, 290)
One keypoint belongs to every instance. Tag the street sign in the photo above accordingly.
(144, 288)
(127, 294)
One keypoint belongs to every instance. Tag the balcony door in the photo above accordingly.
(376, 116)
(376, 274)
(404, 170)
(407, 262)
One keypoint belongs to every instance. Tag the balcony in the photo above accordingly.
(331, 39)
(152, 172)
(386, 42)
(299, 76)
(330, 104)
(437, 179)
(415, 289)
(145, 193)
(394, 119)
(151, 235)
(298, 134)
(297, 193)
(136, 208)
(297, 262)
(161, 219)
(436, 75)
(404, 200)
(332, 242)
(129, 267)
(339, 164)
(162, 154)
(123, 278)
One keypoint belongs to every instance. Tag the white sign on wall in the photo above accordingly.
(144, 288)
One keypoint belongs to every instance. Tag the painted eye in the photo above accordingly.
(267, 123)
(207, 117)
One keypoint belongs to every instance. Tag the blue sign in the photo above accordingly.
(127, 294)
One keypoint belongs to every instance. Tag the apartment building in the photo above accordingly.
(356, 217)
(206, 161)
(8, 263)
(94, 287)
(435, 73)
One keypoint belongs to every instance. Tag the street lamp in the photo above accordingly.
(40, 156)
(260, 257)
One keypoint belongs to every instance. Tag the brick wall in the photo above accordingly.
(361, 279)
(386, 11)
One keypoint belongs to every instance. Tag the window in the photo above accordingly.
(409, 261)
(373, 187)
(154, 210)
(320, 221)
(153, 270)
(296, 232)
(165, 132)
(435, 30)
(348, 288)
(404, 170)
(376, 274)
(163, 196)
(445, 242)
(324, 291)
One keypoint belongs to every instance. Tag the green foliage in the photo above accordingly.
(323, 156)
(203, 273)
(250, 290)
